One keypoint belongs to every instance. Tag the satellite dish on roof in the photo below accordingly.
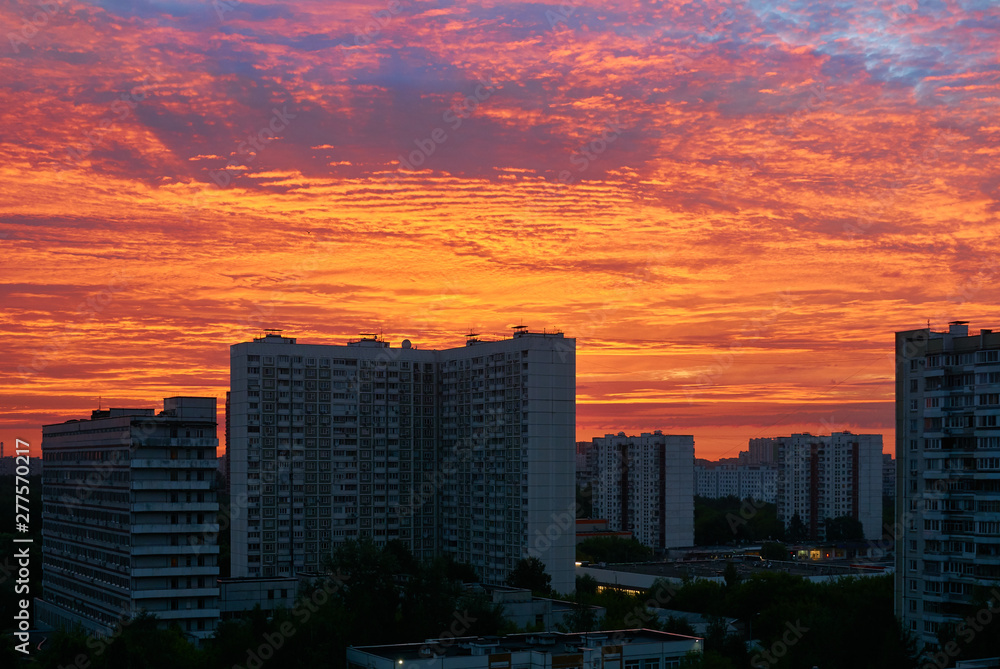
(406, 343)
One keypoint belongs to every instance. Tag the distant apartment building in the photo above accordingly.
(762, 451)
(465, 451)
(888, 476)
(947, 475)
(585, 463)
(645, 485)
(733, 476)
(129, 518)
(822, 477)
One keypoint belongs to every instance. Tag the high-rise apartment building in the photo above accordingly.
(947, 474)
(645, 485)
(888, 476)
(821, 477)
(732, 477)
(129, 518)
(466, 451)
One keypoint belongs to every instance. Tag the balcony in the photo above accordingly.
(166, 463)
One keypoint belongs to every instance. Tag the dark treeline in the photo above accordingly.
(384, 595)
(373, 595)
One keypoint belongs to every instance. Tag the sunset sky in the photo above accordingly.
(731, 205)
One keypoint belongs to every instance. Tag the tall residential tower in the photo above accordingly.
(826, 477)
(467, 451)
(947, 474)
(645, 485)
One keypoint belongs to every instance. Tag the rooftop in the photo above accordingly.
(542, 642)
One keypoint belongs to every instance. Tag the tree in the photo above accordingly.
(677, 625)
(731, 575)
(797, 530)
(584, 501)
(530, 573)
(613, 549)
(844, 528)
(586, 585)
(583, 618)
(773, 550)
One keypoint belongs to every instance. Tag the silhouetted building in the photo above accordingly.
(888, 475)
(129, 518)
(947, 475)
(626, 649)
(465, 451)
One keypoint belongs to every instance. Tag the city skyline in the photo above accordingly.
(731, 208)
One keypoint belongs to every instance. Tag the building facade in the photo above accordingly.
(645, 485)
(465, 451)
(947, 474)
(888, 476)
(732, 477)
(821, 477)
(129, 518)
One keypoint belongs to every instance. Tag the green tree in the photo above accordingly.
(773, 550)
(677, 625)
(585, 501)
(844, 528)
(583, 618)
(731, 575)
(613, 549)
(586, 585)
(797, 530)
(530, 573)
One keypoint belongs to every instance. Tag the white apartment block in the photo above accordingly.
(722, 479)
(645, 485)
(130, 518)
(467, 451)
(822, 477)
(947, 474)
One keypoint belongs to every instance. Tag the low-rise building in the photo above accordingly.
(611, 649)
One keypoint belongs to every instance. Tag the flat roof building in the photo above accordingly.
(947, 476)
(467, 451)
(130, 518)
(610, 649)
(645, 485)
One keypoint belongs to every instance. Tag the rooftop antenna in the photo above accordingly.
(98, 402)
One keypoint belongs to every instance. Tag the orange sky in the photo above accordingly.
(731, 206)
